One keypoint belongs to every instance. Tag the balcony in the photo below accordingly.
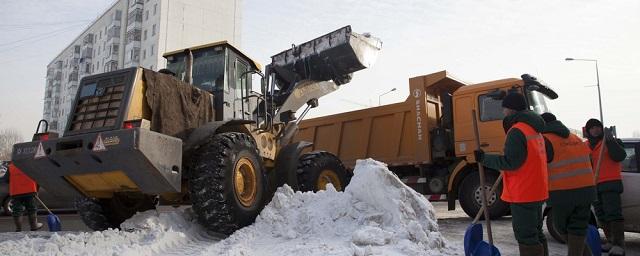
(88, 39)
(132, 55)
(73, 76)
(87, 54)
(58, 64)
(134, 36)
(134, 19)
(113, 32)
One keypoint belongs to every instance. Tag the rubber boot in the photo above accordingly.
(33, 221)
(17, 220)
(531, 250)
(617, 233)
(606, 245)
(545, 247)
(575, 245)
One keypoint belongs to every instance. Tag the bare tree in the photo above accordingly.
(8, 137)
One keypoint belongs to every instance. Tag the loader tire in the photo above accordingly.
(227, 183)
(470, 200)
(317, 169)
(93, 214)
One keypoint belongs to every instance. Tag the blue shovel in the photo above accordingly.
(593, 240)
(52, 220)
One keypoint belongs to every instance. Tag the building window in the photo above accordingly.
(155, 9)
(144, 54)
(146, 15)
(153, 30)
(100, 37)
(151, 67)
(118, 15)
(151, 53)
(144, 35)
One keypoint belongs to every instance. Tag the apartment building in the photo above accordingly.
(135, 33)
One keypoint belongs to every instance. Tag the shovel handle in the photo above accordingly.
(42, 203)
(482, 179)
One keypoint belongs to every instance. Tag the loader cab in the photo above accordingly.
(222, 70)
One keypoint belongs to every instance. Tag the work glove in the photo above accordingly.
(608, 135)
(479, 154)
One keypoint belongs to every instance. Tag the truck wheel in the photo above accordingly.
(6, 206)
(227, 183)
(317, 169)
(93, 214)
(552, 229)
(470, 198)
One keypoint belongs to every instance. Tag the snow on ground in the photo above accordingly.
(376, 215)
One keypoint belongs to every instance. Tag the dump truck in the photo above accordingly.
(196, 133)
(428, 140)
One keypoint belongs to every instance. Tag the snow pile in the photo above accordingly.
(150, 233)
(376, 215)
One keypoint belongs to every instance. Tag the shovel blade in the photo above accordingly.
(485, 249)
(54, 223)
(593, 240)
(472, 237)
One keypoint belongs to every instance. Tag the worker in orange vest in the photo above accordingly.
(524, 165)
(571, 184)
(22, 190)
(608, 205)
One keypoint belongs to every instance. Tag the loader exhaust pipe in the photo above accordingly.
(188, 66)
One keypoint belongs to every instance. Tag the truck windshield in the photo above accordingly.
(538, 102)
(208, 69)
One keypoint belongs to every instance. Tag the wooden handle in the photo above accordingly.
(482, 179)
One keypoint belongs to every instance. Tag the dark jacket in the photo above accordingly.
(515, 145)
(579, 196)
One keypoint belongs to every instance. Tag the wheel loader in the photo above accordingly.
(212, 130)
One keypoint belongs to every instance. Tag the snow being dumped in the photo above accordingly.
(376, 215)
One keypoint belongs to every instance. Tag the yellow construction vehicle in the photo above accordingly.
(198, 132)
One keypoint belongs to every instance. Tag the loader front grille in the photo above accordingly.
(99, 102)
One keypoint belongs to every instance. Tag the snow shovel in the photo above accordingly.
(52, 220)
(473, 243)
(593, 240)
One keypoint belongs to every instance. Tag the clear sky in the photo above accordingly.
(476, 41)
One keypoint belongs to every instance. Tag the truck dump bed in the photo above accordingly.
(397, 134)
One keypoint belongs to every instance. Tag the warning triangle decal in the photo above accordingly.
(99, 145)
(40, 152)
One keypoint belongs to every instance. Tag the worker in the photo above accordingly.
(524, 165)
(609, 184)
(571, 184)
(22, 190)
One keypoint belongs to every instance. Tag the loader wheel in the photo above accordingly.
(110, 213)
(6, 206)
(317, 169)
(227, 183)
(469, 195)
(93, 214)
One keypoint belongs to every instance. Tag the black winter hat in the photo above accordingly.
(591, 123)
(514, 101)
(548, 117)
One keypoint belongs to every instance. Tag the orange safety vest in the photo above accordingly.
(529, 182)
(571, 165)
(609, 170)
(20, 183)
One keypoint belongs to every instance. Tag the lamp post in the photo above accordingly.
(380, 96)
(597, 172)
(597, 83)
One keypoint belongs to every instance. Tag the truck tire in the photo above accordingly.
(6, 206)
(552, 229)
(317, 169)
(93, 214)
(227, 183)
(471, 202)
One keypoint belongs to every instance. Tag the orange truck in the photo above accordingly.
(428, 139)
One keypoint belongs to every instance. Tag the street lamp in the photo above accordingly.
(380, 96)
(597, 83)
(597, 173)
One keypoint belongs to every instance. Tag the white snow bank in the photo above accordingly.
(376, 215)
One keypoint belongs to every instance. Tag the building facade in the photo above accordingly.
(135, 33)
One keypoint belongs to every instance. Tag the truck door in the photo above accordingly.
(240, 86)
